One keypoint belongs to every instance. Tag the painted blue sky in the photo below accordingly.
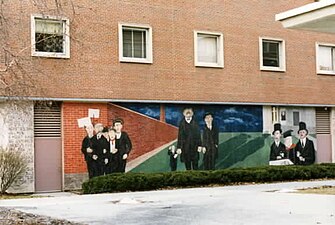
(228, 118)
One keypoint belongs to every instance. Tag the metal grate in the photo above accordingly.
(47, 121)
(322, 121)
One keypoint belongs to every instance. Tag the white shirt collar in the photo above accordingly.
(188, 120)
(303, 141)
(118, 135)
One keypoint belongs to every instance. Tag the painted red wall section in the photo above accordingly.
(73, 135)
(145, 133)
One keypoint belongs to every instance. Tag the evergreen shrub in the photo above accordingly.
(153, 181)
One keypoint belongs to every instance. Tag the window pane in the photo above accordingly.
(296, 118)
(139, 44)
(49, 36)
(270, 53)
(325, 58)
(134, 43)
(207, 49)
(48, 26)
(127, 43)
(48, 43)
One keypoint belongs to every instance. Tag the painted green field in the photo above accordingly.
(235, 150)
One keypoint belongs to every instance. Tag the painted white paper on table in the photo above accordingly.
(93, 113)
(82, 122)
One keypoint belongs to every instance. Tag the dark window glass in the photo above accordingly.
(296, 118)
(270, 53)
(48, 43)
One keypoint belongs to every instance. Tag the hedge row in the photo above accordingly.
(153, 181)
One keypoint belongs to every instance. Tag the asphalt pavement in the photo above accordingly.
(258, 204)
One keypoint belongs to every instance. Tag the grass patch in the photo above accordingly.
(17, 196)
(324, 190)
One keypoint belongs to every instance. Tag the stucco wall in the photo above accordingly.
(17, 134)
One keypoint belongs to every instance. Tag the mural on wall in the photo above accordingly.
(301, 153)
(173, 137)
(218, 136)
(105, 149)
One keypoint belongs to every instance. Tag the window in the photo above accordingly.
(296, 118)
(272, 54)
(275, 117)
(325, 58)
(283, 115)
(50, 37)
(208, 49)
(135, 43)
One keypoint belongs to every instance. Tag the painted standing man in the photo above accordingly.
(87, 150)
(100, 145)
(210, 142)
(189, 140)
(122, 144)
(173, 157)
(304, 150)
(106, 154)
(113, 150)
(278, 149)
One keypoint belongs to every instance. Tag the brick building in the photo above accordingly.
(144, 61)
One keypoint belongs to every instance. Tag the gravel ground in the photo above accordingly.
(14, 217)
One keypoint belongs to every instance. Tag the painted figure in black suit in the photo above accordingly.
(114, 160)
(87, 150)
(189, 140)
(123, 145)
(106, 154)
(172, 152)
(210, 143)
(304, 150)
(100, 146)
(278, 149)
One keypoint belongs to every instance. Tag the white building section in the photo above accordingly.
(318, 16)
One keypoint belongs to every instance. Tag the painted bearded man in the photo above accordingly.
(189, 140)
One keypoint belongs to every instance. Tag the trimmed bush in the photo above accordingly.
(153, 181)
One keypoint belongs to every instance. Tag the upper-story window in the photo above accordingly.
(135, 43)
(208, 49)
(325, 58)
(50, 36)
(272, 54)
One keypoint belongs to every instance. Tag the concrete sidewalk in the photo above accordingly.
(247, 204)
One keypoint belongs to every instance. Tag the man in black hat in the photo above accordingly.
(304, 150)
(278, 149)
(210, 142)
(189, 140)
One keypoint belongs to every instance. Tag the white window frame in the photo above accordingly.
(66, 31)
(220, 50)
(318, 70)
(275, 114)
(282, 57)
(149, 57)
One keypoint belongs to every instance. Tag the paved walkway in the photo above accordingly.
(232, 205)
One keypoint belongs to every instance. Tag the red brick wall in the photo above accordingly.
(72, 135)
(145, 133)
(94, 64)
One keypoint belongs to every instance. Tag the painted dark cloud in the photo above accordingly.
(227, 118)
